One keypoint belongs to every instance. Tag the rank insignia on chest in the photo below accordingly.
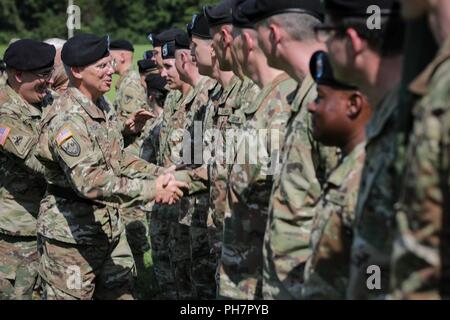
(4, 132)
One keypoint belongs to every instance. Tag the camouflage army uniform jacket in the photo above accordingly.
(89, 175)
(327, 269)
(150, 145)
(297, 187)
(172, 99)
(22, 182)
(421, 250)
(227, 115)
(174, 130)
(249, 187)
(194, 208)
(374, 214)
(130, 95)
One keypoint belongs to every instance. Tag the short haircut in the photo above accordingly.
(299, 26)
(387, 41)
(56, 42)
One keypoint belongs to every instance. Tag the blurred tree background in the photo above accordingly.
(133, 20)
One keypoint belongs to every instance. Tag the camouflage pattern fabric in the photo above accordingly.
(304, 167)
(81, 272)
(22, 187)
(82, 151)
(421, 253)
(374, 213)
(327, 268)
(249, 188)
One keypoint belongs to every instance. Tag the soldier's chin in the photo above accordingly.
(106, 87)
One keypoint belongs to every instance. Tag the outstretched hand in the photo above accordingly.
(137, 121)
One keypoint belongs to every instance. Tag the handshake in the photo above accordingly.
(168, 189)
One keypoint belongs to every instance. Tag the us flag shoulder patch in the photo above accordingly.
(62, 136)
(4, 133)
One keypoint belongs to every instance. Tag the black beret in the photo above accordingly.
(160, 39)
(349, 8)
(199, 27)
(168, 50)
(220, 14)
(257, 10)
(322, 72)
(156, 82)
(148, 55)
(84, 49)
(29, 55)
(239, 19)
(146, 65)
(121, 45)
(182, 41)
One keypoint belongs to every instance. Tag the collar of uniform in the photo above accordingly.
(25, 107)
(382, 113)
(269, 88)
(278, 79)
(306, 85)
(184, 99)
(228, 89)
(346, 165)
(420, 85)
(200, 86)
(92, 109)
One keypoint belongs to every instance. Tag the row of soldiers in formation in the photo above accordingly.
(324, 157)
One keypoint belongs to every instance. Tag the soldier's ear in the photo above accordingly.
(248, 41)
(275, 34)
(185, 57)
(226, 35)
(354, 105)
(18, 76)
(356, 42)
(77, 72)
(122, 57)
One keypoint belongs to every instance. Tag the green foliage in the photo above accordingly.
(133, 20)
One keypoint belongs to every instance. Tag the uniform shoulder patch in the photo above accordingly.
(71, 147)
(63, 135)
(4, 132)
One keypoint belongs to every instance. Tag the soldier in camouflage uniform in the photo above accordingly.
(147, 67)
(229, 111)
(130, 98)
(421, 253)
(193, 209)
(22, 183)
(130, 93)
(304, 161)
(170, 234)
(340, 114)
(84, 252)
(256, 160)
(374, 214)
(156, 95)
